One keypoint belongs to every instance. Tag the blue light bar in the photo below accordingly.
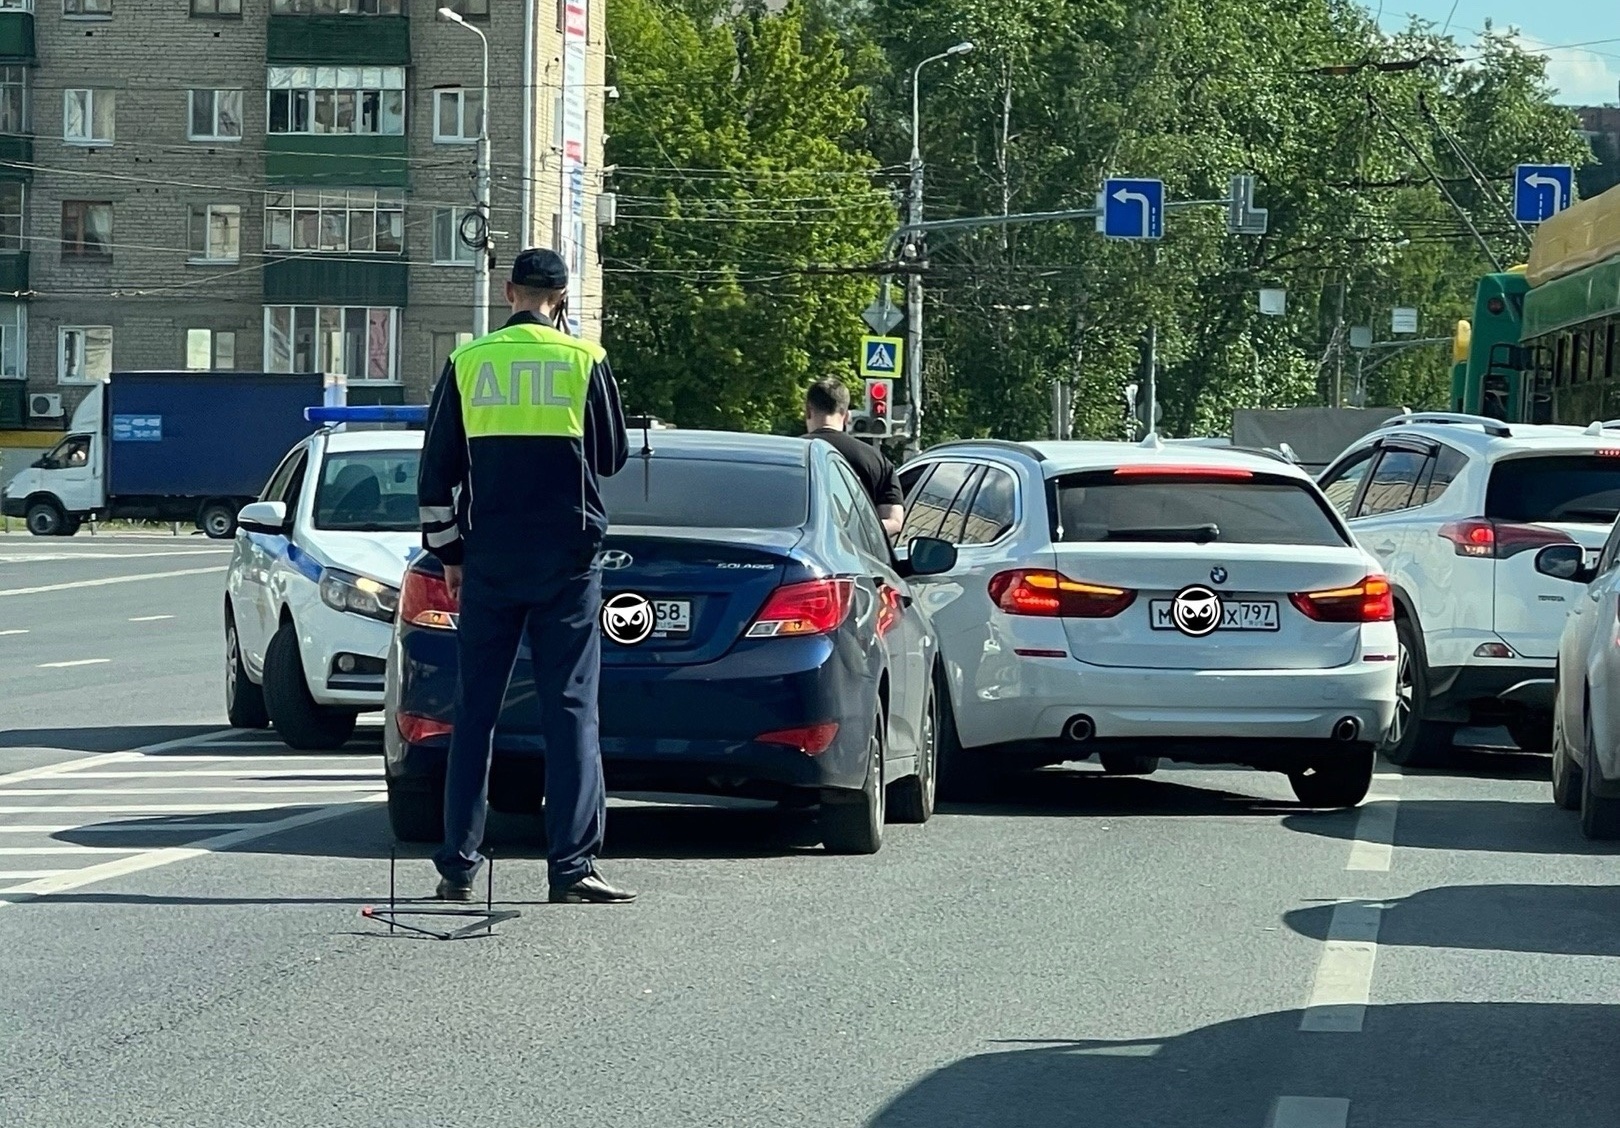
(376, 413)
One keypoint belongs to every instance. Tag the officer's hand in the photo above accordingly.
(452, 581)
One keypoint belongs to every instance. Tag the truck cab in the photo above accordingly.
(67, 483)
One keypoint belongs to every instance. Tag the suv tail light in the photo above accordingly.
(809, 608)
(1498, 540)
(1370, 601)
(424, 601)
(1030, 591)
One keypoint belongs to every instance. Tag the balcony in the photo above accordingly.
(338, 280)
(347, 40)
(355, 160)
(16, 31)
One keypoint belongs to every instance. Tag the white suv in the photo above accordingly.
(1148, 601)
(1456, 508)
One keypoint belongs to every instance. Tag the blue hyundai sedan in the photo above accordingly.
(759, 639)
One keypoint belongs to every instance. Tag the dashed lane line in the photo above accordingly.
(1373, 847)
(13, 631)
(245, 789)
(1343, 982)
(356, 773)
(73, 663)
(1309, 1112)
(138, 808)
(149, 618)
(41, 589)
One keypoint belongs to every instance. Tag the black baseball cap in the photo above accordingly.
(541, 269)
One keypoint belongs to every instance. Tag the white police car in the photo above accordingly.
(315, 575)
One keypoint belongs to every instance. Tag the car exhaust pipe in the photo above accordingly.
(1346, 729)
(1079, 729)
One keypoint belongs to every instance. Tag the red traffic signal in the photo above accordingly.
(879, 395)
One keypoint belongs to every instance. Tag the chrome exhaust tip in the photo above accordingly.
(1079, 729)
(1346, 729)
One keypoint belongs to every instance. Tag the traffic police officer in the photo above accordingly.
(523, 421)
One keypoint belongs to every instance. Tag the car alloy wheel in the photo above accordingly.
(1405, 699)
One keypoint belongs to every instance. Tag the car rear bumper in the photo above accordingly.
(1130, 703)
(1458, 693)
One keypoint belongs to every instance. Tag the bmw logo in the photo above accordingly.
(628, 619)
(1196, 611)
(1217, 575)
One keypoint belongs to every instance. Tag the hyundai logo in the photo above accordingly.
(615, 559)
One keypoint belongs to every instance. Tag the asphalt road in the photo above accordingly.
(181, 944)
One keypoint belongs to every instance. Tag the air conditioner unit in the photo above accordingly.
(607, 209)
(43, 406)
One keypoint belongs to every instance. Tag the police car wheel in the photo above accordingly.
(852, 822)
(416, 814)
(244, 701)
(299, 721)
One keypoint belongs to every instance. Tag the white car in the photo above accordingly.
(1456, 508)
(314, 583)
(1148, 601)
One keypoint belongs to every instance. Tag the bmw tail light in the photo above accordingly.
(1370, 601)
(812, 740)
(414, 728)
(1498, 540)
(810, 608)
(1030, 591)
(424, 601)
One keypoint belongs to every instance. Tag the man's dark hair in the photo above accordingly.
(827, 397)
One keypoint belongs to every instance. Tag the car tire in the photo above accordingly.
(218, 521)
(301, 723)
(244, 701)
(965, 776)
(911, 800)
(1412, 741)
(852, 822)
(416, 814)
(1340, 779)
(1600, 817)
(1532, 732)
(45, 519)
(1567, 784)
(1127, 764)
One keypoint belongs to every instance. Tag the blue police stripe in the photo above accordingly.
(303, 563)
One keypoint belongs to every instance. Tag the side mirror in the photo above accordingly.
(1564, 562)
(930, 556)
(267, 517)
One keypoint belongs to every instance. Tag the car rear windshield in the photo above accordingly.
(1580, 488)
(372, 491)
(699, 493)
(1098, 506)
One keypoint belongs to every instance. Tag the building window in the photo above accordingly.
(87, 9)
(14, 100)
(83, 354)
(13, 340)
(340, 221)
(210, 350)
(87, 229)
(457, 114)
(325, 100)
(87, 117)
(446, 343)
(11, 215)
(360, 343)
(216, 233)
(471, 9)
(336, 7)
(216, 115)
(16, 5)
(216, 7)
(448, 247)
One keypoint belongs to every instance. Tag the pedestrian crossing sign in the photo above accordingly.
(880, 356)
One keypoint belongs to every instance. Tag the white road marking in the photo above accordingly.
(98, 759)
(1374, 843)
(127, 828)
(154, 858)
(13, 631)
(46, 557)
(1343, 983)
(1309, 1112)
(43, 588)
(367, 771)
(15, 850)
(272, 789)
(75, 662)
(143, 809)
(1389, 775)
(24, 875)
(369, 759)
(149, 618)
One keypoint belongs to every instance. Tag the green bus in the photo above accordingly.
(1493, 373)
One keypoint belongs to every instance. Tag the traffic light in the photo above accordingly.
(876, 420)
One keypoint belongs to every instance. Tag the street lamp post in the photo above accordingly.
(914, 296)
(481, 186)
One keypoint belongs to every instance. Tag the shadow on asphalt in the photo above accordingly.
(1476, 1064)
(1068, 791)
(1566, 920)
(1469, 824)
(1473, 763)
(118, 738)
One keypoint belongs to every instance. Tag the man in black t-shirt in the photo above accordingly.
(826, 417)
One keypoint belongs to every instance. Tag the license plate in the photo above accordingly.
(1236, 615)
(673, 617)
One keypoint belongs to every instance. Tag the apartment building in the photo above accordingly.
(279, 185)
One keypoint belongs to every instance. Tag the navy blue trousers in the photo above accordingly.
(556, 602)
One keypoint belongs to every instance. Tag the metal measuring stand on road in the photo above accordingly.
(480, 920)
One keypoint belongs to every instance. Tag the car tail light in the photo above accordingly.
(424, 601)
(809, 608)
(1370, 601)
(1154, 470)
(1484, 538)
(414, 729)
(812, 740)
(1028, 591)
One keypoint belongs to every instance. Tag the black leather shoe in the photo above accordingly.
(592, 889)
(453, 891)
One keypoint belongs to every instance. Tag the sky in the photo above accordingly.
(1581, 38)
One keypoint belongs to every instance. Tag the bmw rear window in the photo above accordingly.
(707, 494)
(1098, 506)
(1580, 488)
